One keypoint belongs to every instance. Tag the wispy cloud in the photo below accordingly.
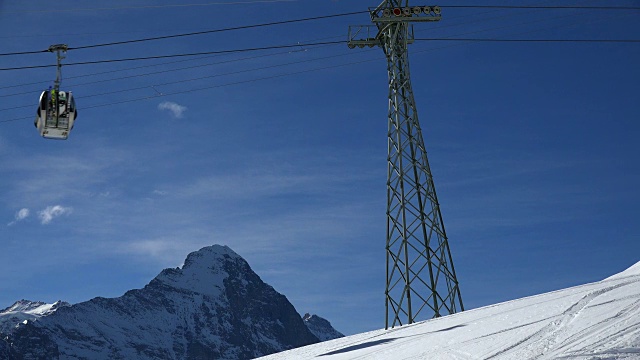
(20, 215)
(176, 110)
(166, 249)
(52, 212)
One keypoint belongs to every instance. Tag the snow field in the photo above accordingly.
(593, 321)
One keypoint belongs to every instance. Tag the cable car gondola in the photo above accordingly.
(57, 109)
(56, 114)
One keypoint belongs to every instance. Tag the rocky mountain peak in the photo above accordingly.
(214, 306)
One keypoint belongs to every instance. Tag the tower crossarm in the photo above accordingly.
(371, 35)
(387, 14)
(363, 35)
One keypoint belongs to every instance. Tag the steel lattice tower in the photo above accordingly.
(421, 279)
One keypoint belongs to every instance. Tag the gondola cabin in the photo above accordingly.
(56, 114)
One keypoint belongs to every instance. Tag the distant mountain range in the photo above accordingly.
(25, 310)
(213, 307)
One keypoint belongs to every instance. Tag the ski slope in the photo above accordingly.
(593, 321)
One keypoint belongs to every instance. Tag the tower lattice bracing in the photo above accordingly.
(421, 280)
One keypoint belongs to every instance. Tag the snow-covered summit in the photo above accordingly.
(204, 271)
(208, 254)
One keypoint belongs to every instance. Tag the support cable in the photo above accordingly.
(198, 32)
(148, 6)
(346, 64)
(320, 18)
(533, 40)
(218, 30)
(317, 39)
(180, 55)
(550, 7)
(235, 60)
(193, 79)
(211, 87)
(115, 71)
(319, 44)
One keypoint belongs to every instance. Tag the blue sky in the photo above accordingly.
(533, 147)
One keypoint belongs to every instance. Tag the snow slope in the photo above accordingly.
(593, 321)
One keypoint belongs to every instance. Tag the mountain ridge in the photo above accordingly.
(26, 310)
(321, 327)
(214, 306)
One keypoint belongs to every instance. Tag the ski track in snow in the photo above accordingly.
(594, 321)
(540, 342)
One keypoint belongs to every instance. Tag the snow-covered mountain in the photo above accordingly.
(26, 310)
(590, 322)
(213, 307)
(321, 327)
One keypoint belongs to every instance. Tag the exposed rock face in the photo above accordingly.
(321, 328)
(213, 307)
(4, 349)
